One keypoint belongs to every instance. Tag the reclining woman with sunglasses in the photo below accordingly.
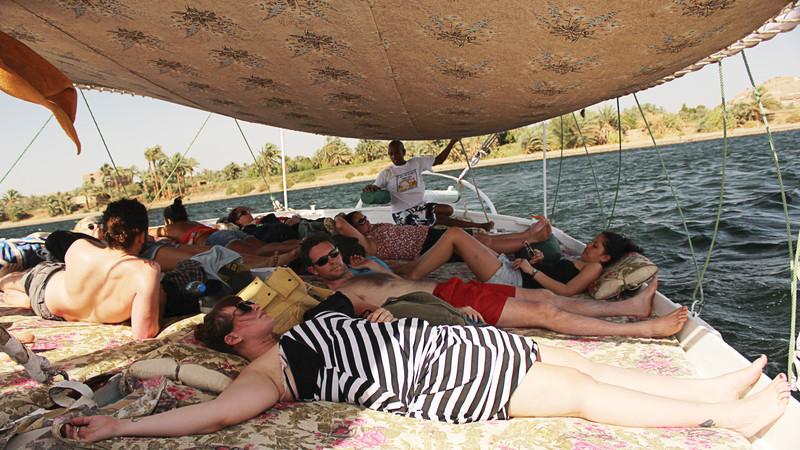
(565, 276)
(325, 359)
(408, 242)
(263, 228)
(178, 227)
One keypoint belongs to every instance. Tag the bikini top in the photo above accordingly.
(191, 235)
(562, 271)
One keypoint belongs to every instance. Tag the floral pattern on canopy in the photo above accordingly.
(409, 69)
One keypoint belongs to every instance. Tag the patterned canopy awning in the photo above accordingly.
(410, 69)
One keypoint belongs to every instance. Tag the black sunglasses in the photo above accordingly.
(245, 306)
(324, 259)
(362, 220)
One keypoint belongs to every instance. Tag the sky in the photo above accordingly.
(130, 124)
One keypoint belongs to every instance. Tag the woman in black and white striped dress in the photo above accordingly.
(448, 373)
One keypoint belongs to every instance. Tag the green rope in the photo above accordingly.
(699, 286)
(671, 188)
(619, 168)
(255, 161)
(795, 275)
(560, 164)
(178, 163)
(792, 262)
(591, 166)
(774, 154)
(103, 139)
(26, 149)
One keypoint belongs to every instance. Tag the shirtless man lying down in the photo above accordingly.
(98, 282)
(495, 304)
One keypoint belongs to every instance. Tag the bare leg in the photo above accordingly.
(731, 386)
(14, 290)
(481, 260)
(526, 313)
(511, 242)
(640, 305)
(256, 247)
(444, 215)
(556, 391)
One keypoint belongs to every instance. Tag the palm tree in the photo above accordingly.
(368, 150)
(154, 156)
(269, 159)
(334, 153)
(231, 171)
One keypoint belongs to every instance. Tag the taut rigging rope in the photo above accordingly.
(14, 164)
(472, 175)
(619, 167)
(560, 163)
(103, 139)
(792, 261)
(672, 190)
(591, 166)
(255, 161)
(697, 305)
(178, 162)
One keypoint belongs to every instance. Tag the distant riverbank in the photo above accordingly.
(340, 174)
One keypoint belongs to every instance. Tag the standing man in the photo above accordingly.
(404, 182)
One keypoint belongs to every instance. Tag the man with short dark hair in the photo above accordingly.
(495, 304)
(101, 282)
(404, 182)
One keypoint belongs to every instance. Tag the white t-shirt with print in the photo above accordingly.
(404, 183)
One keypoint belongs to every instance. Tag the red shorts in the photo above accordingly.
(486, 298)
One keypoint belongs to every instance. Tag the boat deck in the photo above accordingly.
(86, 350)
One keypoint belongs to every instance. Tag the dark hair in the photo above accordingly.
(349, 246)
(398, 143)
(310, 242)
(236, 214)
(617, 245)
(349, 217)
(124, 220)
(176, 211)
(216, 325)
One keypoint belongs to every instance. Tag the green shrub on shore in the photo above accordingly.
(230, 190)
(349, 175)
(245, 188)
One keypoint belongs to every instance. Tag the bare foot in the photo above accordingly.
(750, 415)
(284, 259)
(667, 325)
(733, 386)
(25, 338)
(642, 302)
(540, 231)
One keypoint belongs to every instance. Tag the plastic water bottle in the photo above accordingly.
(195, 289)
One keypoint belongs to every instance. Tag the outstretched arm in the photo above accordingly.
(442, 156)
(575, 286)
(343, 227)
(250, 394)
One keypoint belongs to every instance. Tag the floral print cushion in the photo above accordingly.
(630, 272)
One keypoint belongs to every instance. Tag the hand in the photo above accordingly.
(523, 265)
(537, 257)
(380, 315)
(90, 428)
(371, 188)
(470, 313)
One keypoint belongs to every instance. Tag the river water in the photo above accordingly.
(747, 283)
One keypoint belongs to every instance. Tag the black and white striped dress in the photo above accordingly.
(454, 374)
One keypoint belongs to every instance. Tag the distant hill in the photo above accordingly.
(784, 89)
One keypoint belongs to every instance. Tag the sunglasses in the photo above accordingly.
(324, 259)
(362, 220)
(245, 306)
